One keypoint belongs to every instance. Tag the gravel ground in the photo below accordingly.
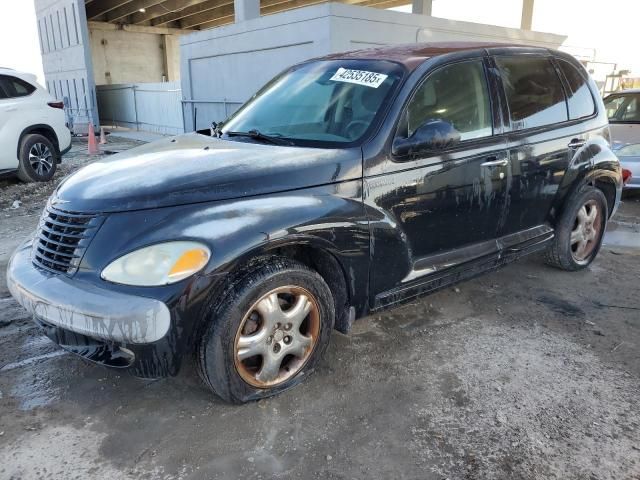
(526, 373)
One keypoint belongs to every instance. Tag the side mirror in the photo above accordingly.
(433, 135)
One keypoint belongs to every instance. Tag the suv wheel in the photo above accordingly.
(37, 159)
(267, 332)
(579, 231)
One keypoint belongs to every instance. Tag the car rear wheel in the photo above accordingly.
(579, 231)
(37, 162)
(267, 332)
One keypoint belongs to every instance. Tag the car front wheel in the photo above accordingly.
(267, 332)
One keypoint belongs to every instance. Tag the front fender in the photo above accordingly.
(330, 218)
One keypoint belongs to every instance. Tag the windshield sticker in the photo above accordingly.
(359, 77)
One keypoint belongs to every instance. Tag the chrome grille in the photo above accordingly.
(62, 238)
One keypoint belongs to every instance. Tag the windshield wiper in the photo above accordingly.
(256, 135)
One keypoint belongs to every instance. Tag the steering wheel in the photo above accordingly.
(353, 125)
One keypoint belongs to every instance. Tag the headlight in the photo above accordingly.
(159, 264)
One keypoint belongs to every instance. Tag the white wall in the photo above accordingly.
(374, 27)
(153, 107)
(223, 67)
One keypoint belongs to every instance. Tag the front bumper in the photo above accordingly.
(84, 308)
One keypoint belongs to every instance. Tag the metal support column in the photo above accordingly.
(422, 7)
(246, 9)
(527, 14)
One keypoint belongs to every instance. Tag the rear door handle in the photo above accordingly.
(576, 143)
(10, 109)
(494, 162)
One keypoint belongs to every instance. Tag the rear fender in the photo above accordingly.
(596, 165)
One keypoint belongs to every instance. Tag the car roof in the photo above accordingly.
(10, 71)
(26, 76)
(413, 54)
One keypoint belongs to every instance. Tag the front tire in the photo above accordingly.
(266, 332)
(579, 231)
(37, 159)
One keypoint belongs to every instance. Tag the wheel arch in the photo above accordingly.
(604, 180)
(41, 129)
(607, 185)
(317, 254)
(595, 165)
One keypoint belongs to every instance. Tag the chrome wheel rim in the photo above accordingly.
(277, 336)
(40, 158)
(586, 231)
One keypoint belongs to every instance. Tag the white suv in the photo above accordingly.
(33, 133)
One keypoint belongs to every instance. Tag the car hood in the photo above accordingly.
(624, 134)
(195, 168)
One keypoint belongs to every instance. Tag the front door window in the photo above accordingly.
(457, 94)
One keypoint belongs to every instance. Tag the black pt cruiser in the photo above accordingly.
(347, 185)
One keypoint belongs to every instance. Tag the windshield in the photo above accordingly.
(623, 108)
(324, 103)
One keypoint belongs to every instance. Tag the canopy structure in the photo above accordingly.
(202, 14)
(119, 55)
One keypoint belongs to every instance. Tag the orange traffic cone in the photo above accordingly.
(103, 139)
(93, 145)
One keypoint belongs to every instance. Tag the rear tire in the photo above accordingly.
(37, 159)
(266, 332)
(579, 231)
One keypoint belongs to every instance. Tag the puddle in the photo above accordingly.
(31, 376)
(29, 361)
(33, 389)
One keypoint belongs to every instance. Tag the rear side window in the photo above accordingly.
(534, 91)
(15, 87)
(579, 96)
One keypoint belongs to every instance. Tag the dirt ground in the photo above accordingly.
(526, 373)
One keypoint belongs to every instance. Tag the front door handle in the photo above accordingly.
(494, 162)
(576, 143)
(10, 109)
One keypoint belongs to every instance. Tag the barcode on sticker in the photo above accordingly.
(359, 77)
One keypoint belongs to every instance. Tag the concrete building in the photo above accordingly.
(173, 65)
(222, 67)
